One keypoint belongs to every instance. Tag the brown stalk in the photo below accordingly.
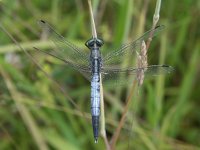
(122, 120)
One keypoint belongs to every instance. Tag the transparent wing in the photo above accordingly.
(121, 63)
(149, 70)
(116, 76)
(66, 51)
(84, 70)
(128, 51)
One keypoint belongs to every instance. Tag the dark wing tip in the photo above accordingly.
(42, 21)
(35, 48)
(45, 26)
(161, 27)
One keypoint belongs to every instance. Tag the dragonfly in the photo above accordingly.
(96, 67)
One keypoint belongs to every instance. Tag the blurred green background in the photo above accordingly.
(36, 114)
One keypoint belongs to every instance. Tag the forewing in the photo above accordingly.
(128, 51)
(65, 51)
(84, 70)
(121, 64)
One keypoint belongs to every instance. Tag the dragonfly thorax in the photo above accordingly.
(94, 42)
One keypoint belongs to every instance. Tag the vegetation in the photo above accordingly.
(38, 113)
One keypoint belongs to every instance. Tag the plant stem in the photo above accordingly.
(103, 127)
(155, 21)
(122, 120)
(94, 32)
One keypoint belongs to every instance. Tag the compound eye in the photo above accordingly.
(89, 43)
(100, 42)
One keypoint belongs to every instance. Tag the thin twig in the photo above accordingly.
(122, 120)
(103, 127)
(94, 32)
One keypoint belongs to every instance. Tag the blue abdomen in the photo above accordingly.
(95, 95)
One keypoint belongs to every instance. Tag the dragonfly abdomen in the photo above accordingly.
(95, 103)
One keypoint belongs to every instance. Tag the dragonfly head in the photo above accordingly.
(94, 42)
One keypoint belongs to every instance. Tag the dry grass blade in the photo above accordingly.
(25, 114)
(40, 67)
(94, 32)
(142, 61)
(103, 126)
(155, 21)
